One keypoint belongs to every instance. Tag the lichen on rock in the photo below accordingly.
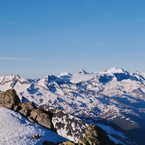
(95, 136)
(9, 99)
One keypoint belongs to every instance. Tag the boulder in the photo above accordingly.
(26, 108)
(9, 99)
(36, 136)
(41, 118)
(95, 136)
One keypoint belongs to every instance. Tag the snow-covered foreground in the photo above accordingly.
(17, 130)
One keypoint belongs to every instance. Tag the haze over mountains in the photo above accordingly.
(115, 95)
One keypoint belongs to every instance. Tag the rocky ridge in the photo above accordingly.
(92, 135)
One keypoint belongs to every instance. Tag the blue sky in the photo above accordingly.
(42, 37)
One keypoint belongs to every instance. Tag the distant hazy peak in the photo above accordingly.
(115, 70)
(11, 77)
(82, 71)
(64, 74)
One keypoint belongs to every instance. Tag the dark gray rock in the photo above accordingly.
(36, 136)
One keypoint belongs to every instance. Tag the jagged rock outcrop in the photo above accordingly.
(25, 108)
(66, 125)
(54, 119)
(82, 133)
(41, 117)
(9, 99)
(95, 136)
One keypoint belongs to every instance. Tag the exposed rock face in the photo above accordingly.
(26, 108)
(43, 118)
(95, 136)
(66, 125)
(9, 99)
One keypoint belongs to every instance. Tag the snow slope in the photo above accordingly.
(16, 130)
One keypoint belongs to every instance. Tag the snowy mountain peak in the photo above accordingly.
(49, 79)
(64, 74)
(115, 70)
(82, 71)
(8, 78)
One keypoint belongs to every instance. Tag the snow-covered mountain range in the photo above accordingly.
(115, 95)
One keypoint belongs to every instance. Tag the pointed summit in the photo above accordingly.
(82, 71)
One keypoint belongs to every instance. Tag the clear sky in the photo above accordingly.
(42, 37)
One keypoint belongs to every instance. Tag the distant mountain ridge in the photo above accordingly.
(115, 94)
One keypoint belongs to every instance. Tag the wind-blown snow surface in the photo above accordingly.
(115, 94)
(16, 130)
